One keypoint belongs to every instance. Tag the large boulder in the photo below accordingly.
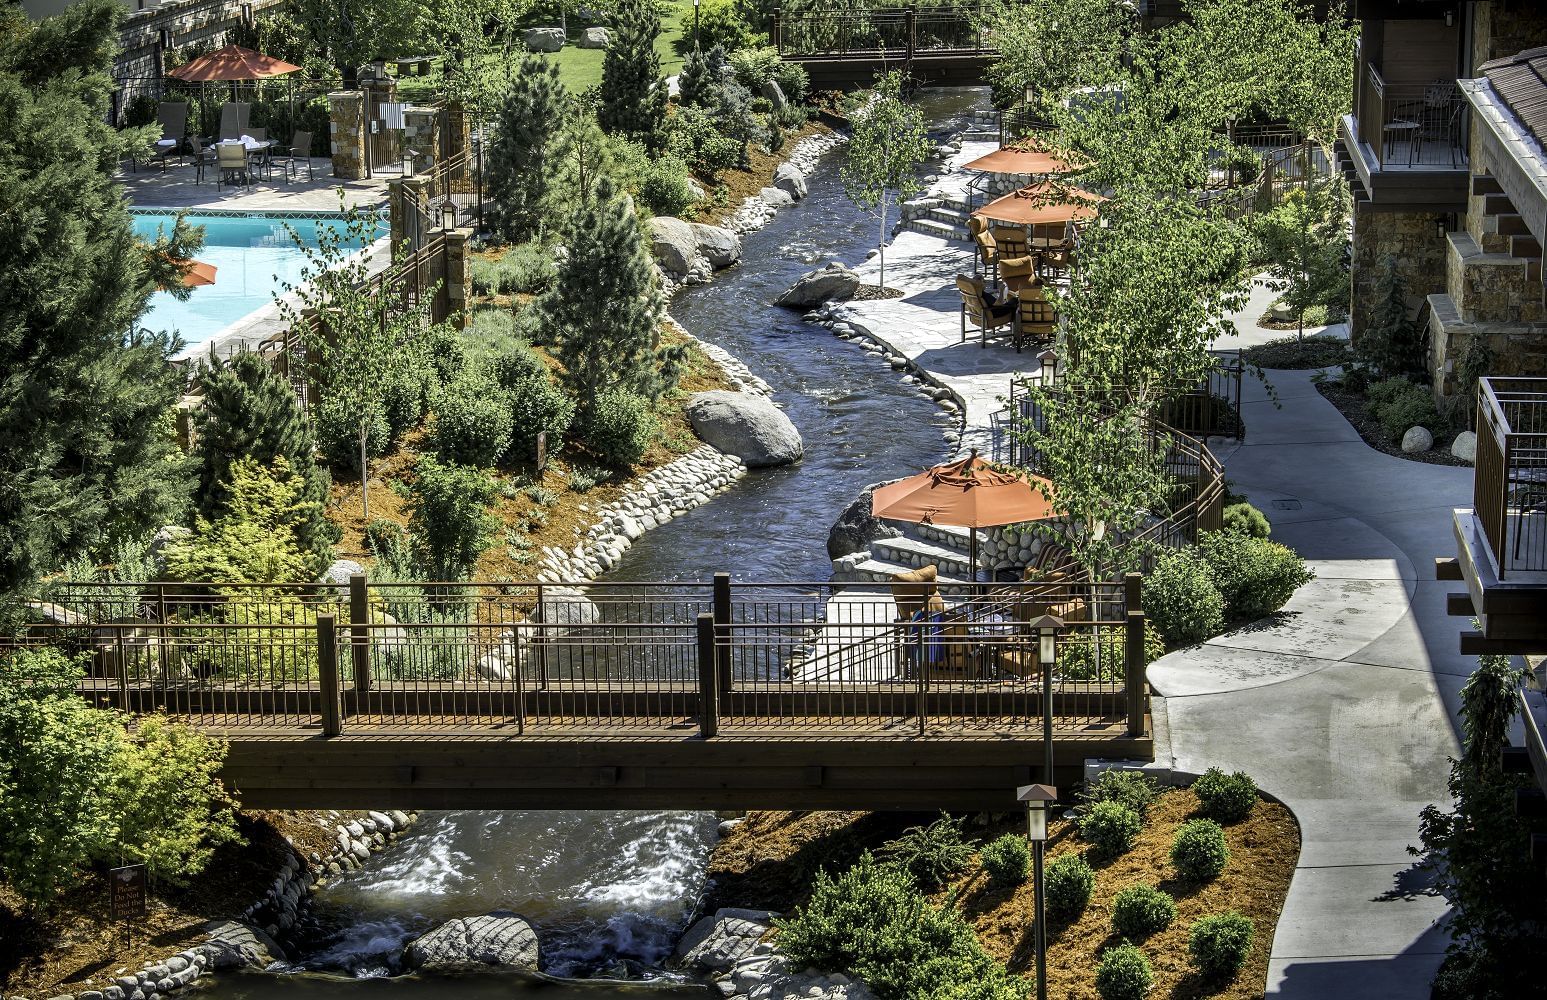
(750, 427)
(500, 938)
(339, 571)
(568, 607)
(789, 178)
(720, 247)
(235, 945)
(717, 943)
(857, 528)
(596, 38)
(1464, 447)
(161, 540)
(544, 39)
(674, 244)
(776, 197)
(1417, 440)
(833, 283)
(775, 95)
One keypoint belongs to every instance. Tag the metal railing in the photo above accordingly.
(636, 658)
(1418, 126)
(869, 32)
(1509, 484)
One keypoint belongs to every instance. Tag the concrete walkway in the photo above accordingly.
(1344, 704)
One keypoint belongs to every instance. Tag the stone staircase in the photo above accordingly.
(983, 126)
(944, 216)
(944, 546)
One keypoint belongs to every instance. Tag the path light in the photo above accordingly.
(1049, 361)
(448, 214)
(1039, 800)
(1047, 628)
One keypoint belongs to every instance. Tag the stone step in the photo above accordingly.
(949, 214)
(945, 231)
(916, 553)
(882, 571)
(948, 535)
(1524, 246)
(1511, 224)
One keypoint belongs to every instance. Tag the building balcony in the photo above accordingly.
(1406, 146)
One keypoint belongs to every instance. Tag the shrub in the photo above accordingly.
(449, 518)
(1111, 827)
(872, 923)
(1124, 974)
(1005, 861)
(172, 809)
(756, 66)
(585, 478)
(1398, 404)
(664, 188)
(1247, 520)
(1255, 576)
(403, 400)
(1181, 599)
(1227, 798)
(484, 275)
(1218, 944)
(793, 79)
(527, 268)
(536, 403)
(1199, 851)
(256, 537)
(473, 422)
(1078, 657)
(721, 23)
(1133, 789)
(1142, 910)
(338, 431)
(931, 854)
(620, 428)
(1068, 883)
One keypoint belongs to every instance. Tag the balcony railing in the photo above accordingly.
(1418, 127)
(1509, 487)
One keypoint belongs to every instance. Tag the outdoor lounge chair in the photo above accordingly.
(1035, 318)
(1009, 241)
(233, 119)
(298, 153)
(1018, 271)
(975, 307)
(231, 161)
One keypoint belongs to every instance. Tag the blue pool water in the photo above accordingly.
(253, 258)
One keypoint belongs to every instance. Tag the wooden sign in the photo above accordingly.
(126, 892)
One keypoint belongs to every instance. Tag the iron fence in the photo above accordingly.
(642, 658)
(1509, 484)
(902, 32)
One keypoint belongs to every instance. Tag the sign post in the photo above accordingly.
(126, 892)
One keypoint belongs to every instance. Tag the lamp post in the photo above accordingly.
(1048, 359)
(1047, 628)
(448, 215)
(695, 23)
(1038, 799)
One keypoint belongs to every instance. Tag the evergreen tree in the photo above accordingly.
(633, 93)
(87, 455)
(1391, 341)
(696, 83)
(528, 147)
(605, 308)
(251, 412)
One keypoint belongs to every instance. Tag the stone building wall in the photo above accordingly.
(1412, 238)
(1503, 29)
(204, 23)
(346, 132)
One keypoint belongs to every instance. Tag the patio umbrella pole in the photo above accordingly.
(972, 556)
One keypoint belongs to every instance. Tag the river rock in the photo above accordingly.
(1416, 440)
(833, 283)
(1464, 447)
(775, 95)
(339, 572)
(789, 178)
(595, 38)
(717, 943)
(857, 528)
(568, 607)
(503, 660)
(673, 243)
(234, 945)
(499, 938)
(543, 39)
(720, 247)
(776, 197)
(750, 427)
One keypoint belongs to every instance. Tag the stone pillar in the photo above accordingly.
(346, 133)
(458, 273)
(1414, 239)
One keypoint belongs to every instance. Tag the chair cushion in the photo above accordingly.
(911, 590)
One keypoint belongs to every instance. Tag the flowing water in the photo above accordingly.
(609, 891)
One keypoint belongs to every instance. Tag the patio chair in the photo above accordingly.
(1035, 318)
(1438, 120)
(231, 161)
(202, 156)
(1010, 241)
(983, 243)
(299, 152)
(1018, 271)
(233, 119)
(976, 307)
(1055, 263)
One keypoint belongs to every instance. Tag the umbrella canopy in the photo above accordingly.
(1028, 159)
(232, 63)
(1041, 205)
(968, 493)
(196, 273)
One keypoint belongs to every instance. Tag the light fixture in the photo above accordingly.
(1049, 362)
(1047, 628)
(1039, 799)
(1440, 227)
(408, 163)
(448, 214)
(1450, 18)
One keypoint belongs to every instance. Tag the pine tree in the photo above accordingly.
(1391, 341)
(633, 93)
(529, 144)
(696, 82)
(251, 412)
(605, 308)
(87, 455)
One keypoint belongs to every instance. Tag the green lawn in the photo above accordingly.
(579, 69)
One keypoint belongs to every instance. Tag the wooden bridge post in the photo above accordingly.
(360, 631)
(327, 674)
(1133, 652)
(708, 679)
(722, 631)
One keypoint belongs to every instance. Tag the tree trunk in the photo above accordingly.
(881, 243)
(365, 475)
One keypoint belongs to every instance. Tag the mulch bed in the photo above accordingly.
(1292, 354)
(769, 862)
(1356, 409)
(866, 293)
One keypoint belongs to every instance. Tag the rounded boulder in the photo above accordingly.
(1417, 440)
(544, 39)
(748, 426)
(500, 938)
(833, 283)
(1464, 446)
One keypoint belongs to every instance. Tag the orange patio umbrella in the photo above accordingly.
(968, 493)
(230, 64)
(195, 273)
(1027, 158)
(1042, 205)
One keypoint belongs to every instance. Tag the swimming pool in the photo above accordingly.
(254, 256)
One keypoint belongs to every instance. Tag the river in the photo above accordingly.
(609, 891)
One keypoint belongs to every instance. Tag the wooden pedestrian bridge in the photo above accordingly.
(611, 695)
(843, 47)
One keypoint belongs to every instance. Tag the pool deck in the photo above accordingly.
(175, 188)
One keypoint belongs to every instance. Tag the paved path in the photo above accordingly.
(1344, 705)
(177, 188)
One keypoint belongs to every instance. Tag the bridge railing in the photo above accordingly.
(900, 32)
(643, 658)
